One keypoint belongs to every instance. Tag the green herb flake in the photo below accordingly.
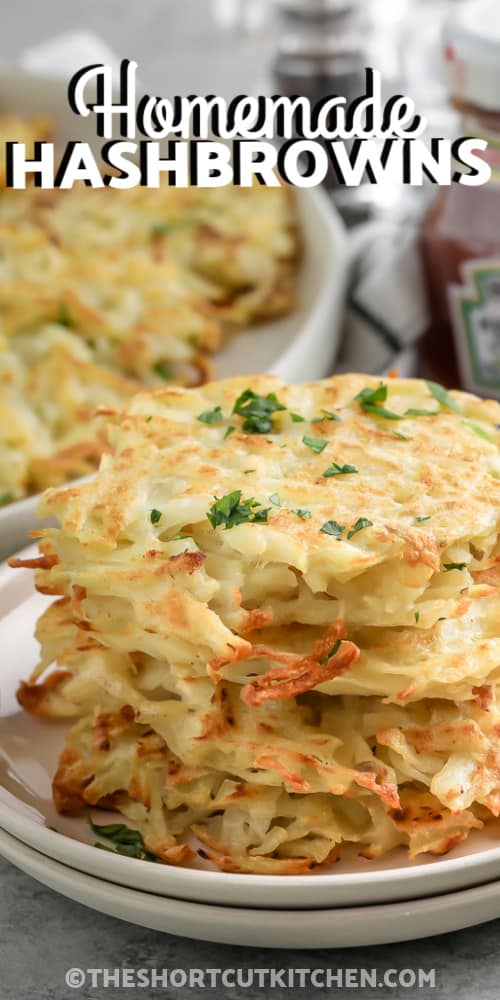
(154, 516)
(162, 229)
(449, 566)
(229, 431)
(231, 510)
(275, 500)
(64, 316)
(401, 437)
(371, 396)
(297, 419)
(381, 411)
(214, 416)
(126, 841)
(300, 512)
(339, 470)
(422, 517)
(315, 444)
(414, 412)
(6, 498)
(331, 652)
(149, 419)
(178, 538)
(370, 401)
(162, 369)
(417, 616)
(326, 415)
(246, 472)
(257, 411)
(332, 528)
(361, 523)
(442, 396)
(476, 429)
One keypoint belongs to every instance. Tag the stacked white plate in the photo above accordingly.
(356, 903)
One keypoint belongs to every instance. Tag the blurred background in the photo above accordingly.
(229, 46)
(311, 47)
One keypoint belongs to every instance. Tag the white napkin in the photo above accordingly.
(387, 309)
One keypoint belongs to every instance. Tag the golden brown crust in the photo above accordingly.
(35, 698)
(301, 673)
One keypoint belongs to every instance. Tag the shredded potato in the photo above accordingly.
(270, 662)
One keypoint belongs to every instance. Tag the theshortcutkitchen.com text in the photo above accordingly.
(210, 142)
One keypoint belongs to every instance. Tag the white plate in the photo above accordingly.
(353, 927)
(28, 756)
(299, 347)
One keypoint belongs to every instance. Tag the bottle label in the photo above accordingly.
(475, 310)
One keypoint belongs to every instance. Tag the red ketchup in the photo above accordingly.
(461, 233)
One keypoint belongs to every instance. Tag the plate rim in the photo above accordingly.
(435, 910)
(188, 882)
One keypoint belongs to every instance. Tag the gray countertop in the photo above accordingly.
(43, 934)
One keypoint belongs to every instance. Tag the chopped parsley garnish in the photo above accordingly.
(275, 500)
(476, 429)
(149, 419)
(401, 437)
(371, 396)
(211, 416)
(162, 369)
(126, 841)
(304, 514)
(417, 616)
(414, 412)
(315, 444)
(381, 411)
(6, 498)
(246, 472)
(161, 229)
(297, 419)
(331, 652)
(339, 470)
(64, 316)
(154, 516)
(257, 411)
(449, 566)
(177, 538)
(361, 523)
(326, 415)
(370, 401)
(422, 517)
(229, 431)
(442, 396)
(232, 510)
(332, 528)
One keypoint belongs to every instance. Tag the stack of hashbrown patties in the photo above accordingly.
(278, 621)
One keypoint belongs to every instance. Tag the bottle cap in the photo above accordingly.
(312, 9)
(471, 49)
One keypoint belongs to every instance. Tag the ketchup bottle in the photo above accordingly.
(461, 233)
